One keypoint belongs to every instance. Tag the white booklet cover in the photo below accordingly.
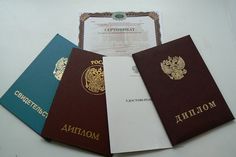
(134, 124)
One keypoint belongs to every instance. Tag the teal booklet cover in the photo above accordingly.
(31, 96)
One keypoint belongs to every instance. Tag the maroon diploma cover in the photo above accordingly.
(182, 89)
(78, 115)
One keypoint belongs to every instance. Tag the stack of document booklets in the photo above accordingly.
(121, 90)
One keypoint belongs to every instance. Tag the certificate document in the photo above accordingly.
(133, 122)
(119, 33)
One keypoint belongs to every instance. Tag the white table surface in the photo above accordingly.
(27, 26)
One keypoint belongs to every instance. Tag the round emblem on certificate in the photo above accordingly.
(119, 16)
(60, 68)
(92, 80)
(174, 67)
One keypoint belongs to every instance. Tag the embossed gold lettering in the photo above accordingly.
(64, 128)
(30, 103)
(178, 119)
(191, 112)
(205, 107)
(71, 129)
(185, 115)
(96, 62)
(195, 111)
(79, 131)
(212, 104)
(199, 109)
(96, 136)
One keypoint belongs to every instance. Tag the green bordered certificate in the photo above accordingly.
(119, 33)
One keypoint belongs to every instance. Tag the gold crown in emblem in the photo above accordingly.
(174, 67)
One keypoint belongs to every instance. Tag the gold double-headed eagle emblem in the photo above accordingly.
(92, 79)
(174, 67)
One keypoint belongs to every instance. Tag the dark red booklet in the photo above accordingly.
(78, 115)
(182, 89)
